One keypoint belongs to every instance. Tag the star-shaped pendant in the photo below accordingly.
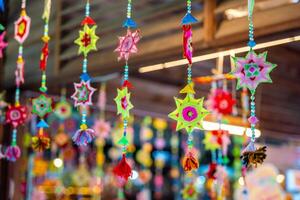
(42, 105)
(123, 102)
(252, 70)
(127, 44)
(3, 44)
(22, 27)
(87, 39)
(190, 112)
(83, 93)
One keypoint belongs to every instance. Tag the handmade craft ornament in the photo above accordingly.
(190, 192)
(102, 128)
(128, 44)
(22, 27)
(42, 105)
(87, 40)
(40, 143)
(123, 102)
(83, 93)
(190, 162)
(16, 115)
(220, 102)
(3, 44)
(250, 72)
(12, 153)
(63, 110)
(187, 42)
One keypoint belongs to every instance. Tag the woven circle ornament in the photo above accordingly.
(250, 72)
(83, 91)
(63, 110)
(16, 115)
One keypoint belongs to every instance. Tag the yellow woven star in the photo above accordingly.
(87, 40)
(189, 113)
(123, 102)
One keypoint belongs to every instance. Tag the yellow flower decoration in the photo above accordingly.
(87, 40)
(123, 102)
(210, 142)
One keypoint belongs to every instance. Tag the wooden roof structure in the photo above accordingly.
(222, 26)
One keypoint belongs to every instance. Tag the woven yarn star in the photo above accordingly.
(42, 105)
(83, 93)
(87, 39)
(22, 27)
(123, 102)
(127, 44)
(252, 70)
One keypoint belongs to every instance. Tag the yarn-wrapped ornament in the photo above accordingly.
(190, 162)
(40, 142)
(123, 169)
(12, 153)
(84, 135)
(252, 156)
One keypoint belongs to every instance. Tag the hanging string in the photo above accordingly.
(251, 42)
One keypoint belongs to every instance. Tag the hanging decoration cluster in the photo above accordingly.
(250, 71)
(190, 112)
(83, 91)
(42, 105)
(17, 114)
(127, 45)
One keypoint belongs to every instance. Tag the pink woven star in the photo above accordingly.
(3, 44)
(127, 44)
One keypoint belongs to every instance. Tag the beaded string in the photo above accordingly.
(189, 6)
(129, 9)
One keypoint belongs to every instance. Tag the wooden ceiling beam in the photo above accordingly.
(209, 25)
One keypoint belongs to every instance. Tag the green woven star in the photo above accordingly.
(87, 40)
(41, 105)
(189, 113)
(123, 102)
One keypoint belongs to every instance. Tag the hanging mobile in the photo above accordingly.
(42, 105)
(127, 45)
(16, 114)
(250, 72)
(190, 111)
(83, 91)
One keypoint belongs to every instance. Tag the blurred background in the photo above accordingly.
(66, 171)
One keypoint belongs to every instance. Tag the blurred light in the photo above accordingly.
(280, 178)
(214, 55)
(200, 180)
(58, 162)
(134, 175)
(236, 13)
(232, 129)
(241, 181)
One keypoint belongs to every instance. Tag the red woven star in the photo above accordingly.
(221, 101)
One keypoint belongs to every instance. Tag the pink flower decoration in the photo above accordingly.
(252, 70)
(12, 153)
(220, 101)
(102, 128)
(83, 136)
(127, 44)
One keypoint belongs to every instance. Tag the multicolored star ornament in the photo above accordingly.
(252, 70)
(87, 39)
(220, 101)
(3, 44)
(42, 105)
(190, 192)
(190, 112)
(16, 115)
(63, 110)
(22, 27)
(127, 44)
(123, 102)
(83, 93)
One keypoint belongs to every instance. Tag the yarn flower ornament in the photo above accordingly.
(22, 27)
(16, 115)
(189, 192)
(220, 101)
(189, 113)
(123, 102)
(63, 110)
(84, 135)
(252, 70)
(128, 44)
(42, 105)
(3, 44)
(83, 93)
(40, 142)
(87, 40)
(12, 153)
(102, 128)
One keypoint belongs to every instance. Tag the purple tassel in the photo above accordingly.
(83, 136)
(12, 153)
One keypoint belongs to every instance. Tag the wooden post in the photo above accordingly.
(209, 20)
